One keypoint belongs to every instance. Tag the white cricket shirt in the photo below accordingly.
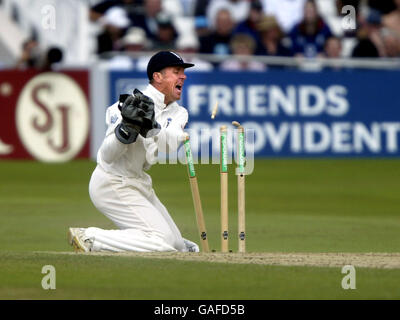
(130, 160)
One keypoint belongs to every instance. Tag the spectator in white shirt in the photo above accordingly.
(287, 12)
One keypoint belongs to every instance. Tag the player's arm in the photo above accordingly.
(135, 116)
(170, 138)
(167, 140)
(111, 148)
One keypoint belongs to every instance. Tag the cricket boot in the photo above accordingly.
(190, 246)
(80, 242)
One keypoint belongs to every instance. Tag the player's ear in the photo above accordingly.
(157, 76)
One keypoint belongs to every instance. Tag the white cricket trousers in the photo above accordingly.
(131, 203)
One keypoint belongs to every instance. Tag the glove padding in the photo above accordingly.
(126, 132)
(137, 113)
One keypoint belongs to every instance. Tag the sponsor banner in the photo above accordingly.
(45, 116)
(292, 113)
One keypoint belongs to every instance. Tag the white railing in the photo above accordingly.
(297, 62)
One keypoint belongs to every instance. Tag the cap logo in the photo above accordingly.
(176, 55)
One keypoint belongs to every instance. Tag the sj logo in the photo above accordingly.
(47, 124)
(52, 117)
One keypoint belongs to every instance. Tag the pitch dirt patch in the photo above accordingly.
(364, 260)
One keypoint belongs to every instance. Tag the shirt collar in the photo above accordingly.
(157, 96)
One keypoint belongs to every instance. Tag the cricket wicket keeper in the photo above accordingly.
(139, 125)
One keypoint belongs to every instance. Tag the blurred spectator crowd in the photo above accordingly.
(285, 28)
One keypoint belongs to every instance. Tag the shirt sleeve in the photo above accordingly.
(111, 148)
(168, 139)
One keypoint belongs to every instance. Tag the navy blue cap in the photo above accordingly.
(165, 59)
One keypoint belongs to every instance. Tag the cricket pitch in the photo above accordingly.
(363, 260)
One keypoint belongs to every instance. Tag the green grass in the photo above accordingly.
(341, 205)
(85, 277)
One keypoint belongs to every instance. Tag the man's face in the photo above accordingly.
(310, 12)
(333, 48)
(255, 15)
(152, 7)
(166, 34)
(224, 23)
(171, 83)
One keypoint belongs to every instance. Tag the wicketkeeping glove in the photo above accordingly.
(149, 123)
(137, 113)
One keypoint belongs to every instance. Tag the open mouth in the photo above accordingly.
(178, 88)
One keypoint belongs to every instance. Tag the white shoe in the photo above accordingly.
(77, 239)
(191, 246)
